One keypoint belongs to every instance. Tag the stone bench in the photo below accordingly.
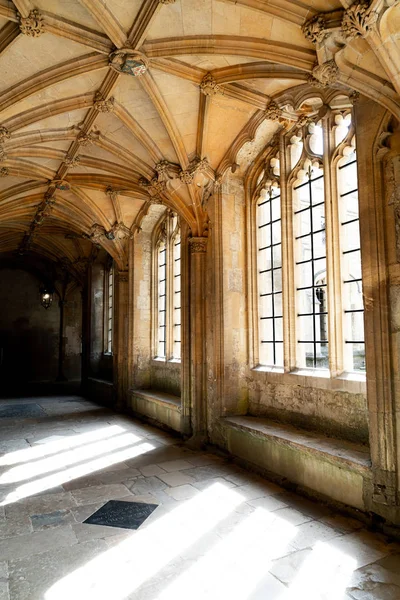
(158, 406)
(334, 468)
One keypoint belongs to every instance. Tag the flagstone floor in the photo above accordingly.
(217, 531)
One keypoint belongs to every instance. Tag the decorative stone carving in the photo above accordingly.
(103, 105)
(273, 112)
(119, 231)
(162, 166)
(198, 165)
(4, 134)
(218, 181)
(209, 86)
(198, 244)
(314, 82)
(302, 120)
(186, 176)
(123, 276)
(4, 172)
(72, 161)
(61, 184)
(166, 170)
(327, 73)
(358, 20)
(155, 187)
(314, 29)
(86, 139)
(49, 198)
(97, 231)
(131, 62)
(33, 26)
(3, 155)
(354, 97)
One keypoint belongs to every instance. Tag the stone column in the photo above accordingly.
(121, 339)
(198, 248)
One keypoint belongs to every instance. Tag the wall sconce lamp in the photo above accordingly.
(46, 296)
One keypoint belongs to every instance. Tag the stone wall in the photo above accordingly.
(29, 334)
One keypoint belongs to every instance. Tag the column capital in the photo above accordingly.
(198, 245)
(122, 276)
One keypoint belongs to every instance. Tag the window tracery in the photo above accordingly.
(309, 279)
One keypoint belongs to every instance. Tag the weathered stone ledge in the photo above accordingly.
(332, 467)
(158, 406)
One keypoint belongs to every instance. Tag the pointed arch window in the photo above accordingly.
(167, 284)
(109, 308)
(309, 277)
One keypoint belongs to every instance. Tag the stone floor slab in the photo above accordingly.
(36, 543)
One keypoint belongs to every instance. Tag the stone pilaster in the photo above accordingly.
(378, 251)
(198, 249)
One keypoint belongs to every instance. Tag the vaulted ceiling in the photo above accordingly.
(108, 107)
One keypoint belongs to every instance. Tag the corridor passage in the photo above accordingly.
(215, 531)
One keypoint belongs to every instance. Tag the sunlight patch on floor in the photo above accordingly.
(325, 575)
(233, 568)
(70, 441)
(82, 470)
(63, 459)
(120, 571)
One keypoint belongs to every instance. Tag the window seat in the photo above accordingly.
(100, 390)
(158, 406)
(334, 468)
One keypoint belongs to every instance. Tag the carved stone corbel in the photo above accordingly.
(122, 276)
(3, 155)
(358, 20)
(167, 170)
(273, 112)
(198, 165)
(327, 73)
(314, 29)
(32, 26)
(198, 245)
(4, 172)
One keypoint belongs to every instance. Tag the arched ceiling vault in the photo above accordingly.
(109, 107)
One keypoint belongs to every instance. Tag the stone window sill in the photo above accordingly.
(316, 378)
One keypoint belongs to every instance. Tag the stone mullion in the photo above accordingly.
(198, 247)
(121, 341)
(336, 310)
(288, 258)
(333, 276)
